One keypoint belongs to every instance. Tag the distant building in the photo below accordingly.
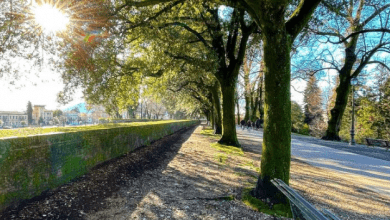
(72, 117)
(39, 111)
(13, 118)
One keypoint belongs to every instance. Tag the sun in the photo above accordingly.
(50, 18)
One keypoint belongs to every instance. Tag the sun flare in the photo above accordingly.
(50, 18)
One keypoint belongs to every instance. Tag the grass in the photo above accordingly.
(208, 131)
(221, 158)
(34, 131)
(258, 205)
(228, 149)
(251, 165)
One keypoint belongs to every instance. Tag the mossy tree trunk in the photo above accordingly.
(345, 75)
(229, 136)
(275, 161)
(238, 108)
(215, 90)
(337, 112)
(247, 96)
(230, 58)
(278, 36)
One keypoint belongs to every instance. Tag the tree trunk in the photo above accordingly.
(252, 110)
(217, 107)
(275, 160)
(247, 96)
(337, 112)
(229, 136)
(212, 117)
(255, 105)
(238, 112)
(261, 110)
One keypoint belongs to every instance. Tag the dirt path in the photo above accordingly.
(177, 177)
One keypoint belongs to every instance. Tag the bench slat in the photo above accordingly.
(299, 206)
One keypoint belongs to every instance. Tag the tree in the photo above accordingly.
(29, 113)
(278, 36)
(279, 28)
(40, 120)
(297, 117)
(360, 31)
(313, 104)
(57, 113)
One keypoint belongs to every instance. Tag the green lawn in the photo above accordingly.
(33, 131)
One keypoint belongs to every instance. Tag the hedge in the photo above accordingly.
(32, 164)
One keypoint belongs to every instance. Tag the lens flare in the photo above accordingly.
(50, 18)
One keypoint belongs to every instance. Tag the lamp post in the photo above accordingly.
(353, 83)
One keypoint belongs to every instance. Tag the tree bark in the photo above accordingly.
(275, 160)
(247, 96)
(337, 112)
(229, 136)
(238, 112)
(217, 106)
(342, 91)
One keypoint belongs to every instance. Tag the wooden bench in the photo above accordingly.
(378, 142)
(300, 208)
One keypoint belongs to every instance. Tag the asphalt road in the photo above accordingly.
(370, 162)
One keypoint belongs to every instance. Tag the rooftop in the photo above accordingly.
(12, 113)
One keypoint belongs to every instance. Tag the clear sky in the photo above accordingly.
(44, 92)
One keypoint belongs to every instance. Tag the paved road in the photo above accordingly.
(371, 162)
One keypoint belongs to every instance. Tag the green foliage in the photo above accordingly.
(371, 116)
(297, 117)
(305, 130)
(40, 120)
(57, 113)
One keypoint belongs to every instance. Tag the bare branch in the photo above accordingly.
(380, 63)
(374, 15)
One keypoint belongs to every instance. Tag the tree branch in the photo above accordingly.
(198, 35)
(383, 30)
(367, 58)
(374, 15)
(380, 63)
(301, 16)
(333, 9)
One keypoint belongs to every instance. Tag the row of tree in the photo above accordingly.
(197, 49)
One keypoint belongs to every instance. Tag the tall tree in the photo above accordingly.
(360, 29)
(29, 113)
(57, 113)
(313, 103)
(278, 35)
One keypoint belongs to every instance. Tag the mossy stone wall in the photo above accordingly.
(30, 165)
